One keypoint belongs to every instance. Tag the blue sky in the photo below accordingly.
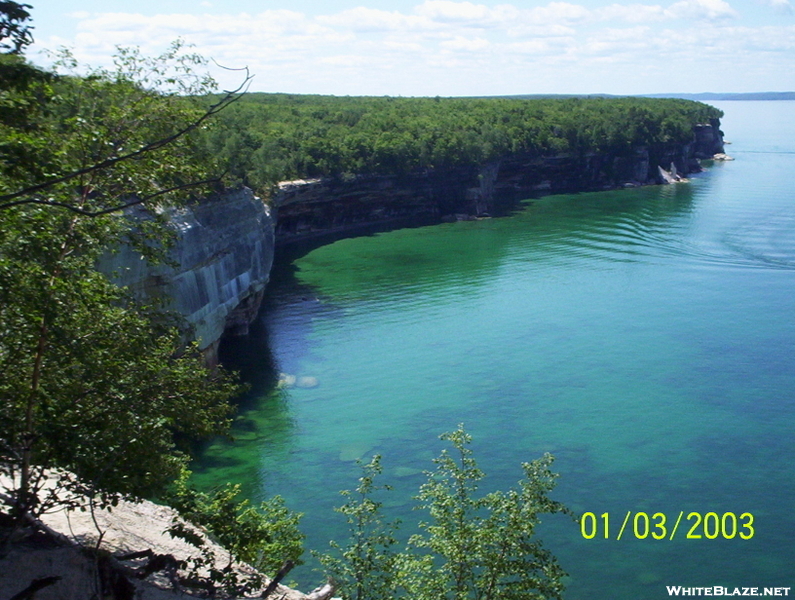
(450, 47)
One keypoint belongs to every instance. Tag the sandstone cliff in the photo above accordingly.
(218, 267)
(224, 247)
(307, 207)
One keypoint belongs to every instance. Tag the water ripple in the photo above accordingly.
(754, 243)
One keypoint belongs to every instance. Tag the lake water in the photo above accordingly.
(645, 337)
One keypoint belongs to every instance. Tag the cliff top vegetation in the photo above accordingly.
(266, 138)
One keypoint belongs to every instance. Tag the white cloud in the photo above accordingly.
(559, 12)
(701, 9)
(363, 19)
(447, 47)
(540, 31)
(543, 47)
(783, 7)
(711, 10)
(618, 44)
(632, 13)
(404, 47)
(465, 44)
(345, 60)
(454, 12)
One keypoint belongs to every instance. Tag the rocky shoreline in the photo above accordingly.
(308, 207)
(221, 261)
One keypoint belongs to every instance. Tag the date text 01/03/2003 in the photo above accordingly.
(657, 526)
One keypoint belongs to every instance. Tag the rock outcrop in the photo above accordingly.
(304, 207)
(221, 261)
(85, 554)
(316, 206)
(217, 270)
(708, 139)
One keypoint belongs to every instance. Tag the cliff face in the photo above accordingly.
(224, 247)
(221, 263)
(307, 207)
(316, 205)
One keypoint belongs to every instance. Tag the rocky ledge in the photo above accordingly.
(123, 554)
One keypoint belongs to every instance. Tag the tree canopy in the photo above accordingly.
(268, 138)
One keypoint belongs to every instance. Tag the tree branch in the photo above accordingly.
(286, 567)
(105, 211)
(37, 584)
(229, 98)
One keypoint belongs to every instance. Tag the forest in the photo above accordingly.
(266, 138)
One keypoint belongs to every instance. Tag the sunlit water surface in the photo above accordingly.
(645, 337)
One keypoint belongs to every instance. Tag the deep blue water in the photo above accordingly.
(645, 337)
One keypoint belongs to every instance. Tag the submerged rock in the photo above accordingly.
(306, 382)
(401, 472)
(285, 381)
(354, 451)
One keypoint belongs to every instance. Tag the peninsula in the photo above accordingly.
(325, 164)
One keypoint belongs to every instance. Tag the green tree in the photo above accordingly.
(13, 26)
(367, 567)
(265, 536)
(473, 547)
(96, 390)
(288, 137)
(482, 547)
(23, 90)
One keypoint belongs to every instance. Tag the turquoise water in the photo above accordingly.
(645, 337)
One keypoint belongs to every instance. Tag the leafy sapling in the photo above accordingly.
(366, 567)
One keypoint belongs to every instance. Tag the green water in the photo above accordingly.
(645, 337)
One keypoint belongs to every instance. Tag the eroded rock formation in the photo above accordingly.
(307, 207)
(219, 267)
(225, 244)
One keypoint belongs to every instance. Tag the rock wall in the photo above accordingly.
(307, 207)
(220, 265)
(224, 251)
(304, 207)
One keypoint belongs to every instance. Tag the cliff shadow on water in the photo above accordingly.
(421, 256)
(320, 279)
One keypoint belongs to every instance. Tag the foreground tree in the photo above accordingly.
(367, 567)
(483, 547)
(265, 537)
(472, 547)
(14, 30)
(96, 390)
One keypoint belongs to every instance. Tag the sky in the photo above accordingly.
(447, 47)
